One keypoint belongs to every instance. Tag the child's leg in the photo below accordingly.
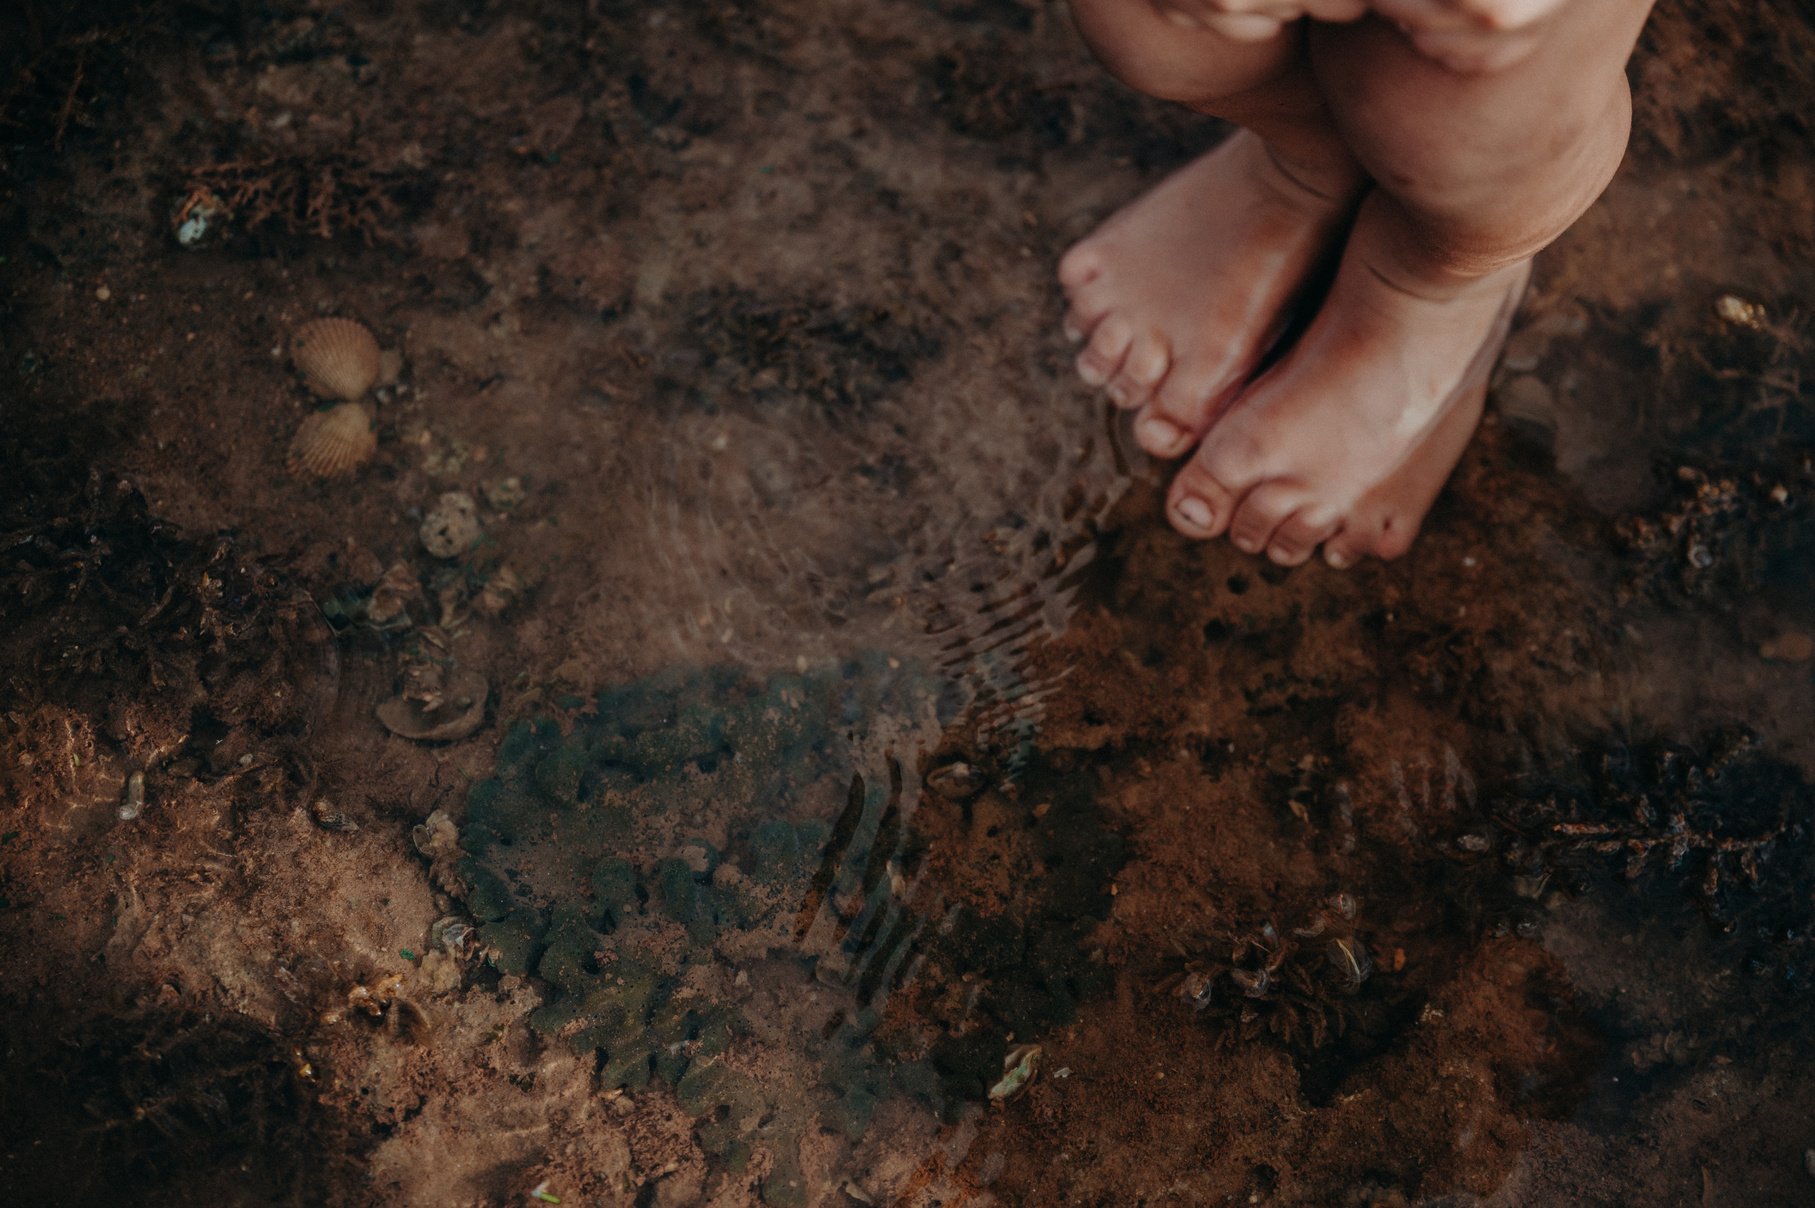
(1179, 293)
(1474, 173)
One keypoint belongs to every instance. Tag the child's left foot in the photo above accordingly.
(1363, 392)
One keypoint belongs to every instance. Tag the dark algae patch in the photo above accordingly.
(654, 854)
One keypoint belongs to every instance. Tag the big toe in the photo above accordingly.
(1201, 504)
(1262, 512)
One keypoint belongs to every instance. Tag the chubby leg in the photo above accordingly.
(1177, 296)
(1475, 171)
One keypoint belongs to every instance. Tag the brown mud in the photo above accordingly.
(873, 800)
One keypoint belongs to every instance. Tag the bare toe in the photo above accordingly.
(1297, 536)
(1080, 265)
(1102, 357)
(1261, 513)
(1198, 505)
(1160, 436)
(1344, 548)
(1144, 366)
(1395, 535)
(1189, 399)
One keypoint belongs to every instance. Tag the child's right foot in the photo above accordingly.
(1181, 292)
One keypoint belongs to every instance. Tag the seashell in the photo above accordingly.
(457, 712)
(337, 357)
(334, 442)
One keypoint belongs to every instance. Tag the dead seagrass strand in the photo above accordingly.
(333, 443)
(339, 358)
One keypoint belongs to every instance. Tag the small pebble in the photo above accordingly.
(103, 294)
(1529, 409)
(1791, 647)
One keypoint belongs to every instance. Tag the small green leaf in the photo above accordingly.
(407, 954)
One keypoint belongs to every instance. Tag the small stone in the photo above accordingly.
(1791, 647)
(103, 294)
(505, 493)
(1529, 410)
(452, 527)
(1741, 312)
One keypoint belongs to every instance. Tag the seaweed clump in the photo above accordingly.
(1723, 821)
(325, 196)
(1726, 533)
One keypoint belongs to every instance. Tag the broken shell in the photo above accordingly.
(396, 590)
(1019, 1068)
(459, 710)
(132, 800)
(500, 592)
(455, 936)
(956, 781)
(334, 442)
(337, 357)
(329, 818)
(452, 526)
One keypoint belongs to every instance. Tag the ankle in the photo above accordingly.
(1411, 257)
(1325, 173)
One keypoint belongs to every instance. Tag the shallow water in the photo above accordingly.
(877, 802)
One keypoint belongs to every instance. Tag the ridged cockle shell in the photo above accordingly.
(337, 357)
(333, 442)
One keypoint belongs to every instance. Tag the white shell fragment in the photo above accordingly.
(452, 526)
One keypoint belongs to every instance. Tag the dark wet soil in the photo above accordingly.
(873, 801)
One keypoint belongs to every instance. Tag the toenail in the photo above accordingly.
(1158, 436)
(1246, 545)
(1336, 558)
(1118, 394)
(1073, 334)
(1090, 373)
(1194, 512)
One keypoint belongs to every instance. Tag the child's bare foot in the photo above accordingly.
(1298, 456)
(1386, 520)
(1180, 293)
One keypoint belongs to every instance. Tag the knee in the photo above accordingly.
(1495, 164)
(1188, 66)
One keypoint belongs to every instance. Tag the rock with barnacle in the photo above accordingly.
(333, 443)
(452, 525)
(338, 358)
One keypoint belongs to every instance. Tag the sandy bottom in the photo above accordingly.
(872, 800)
